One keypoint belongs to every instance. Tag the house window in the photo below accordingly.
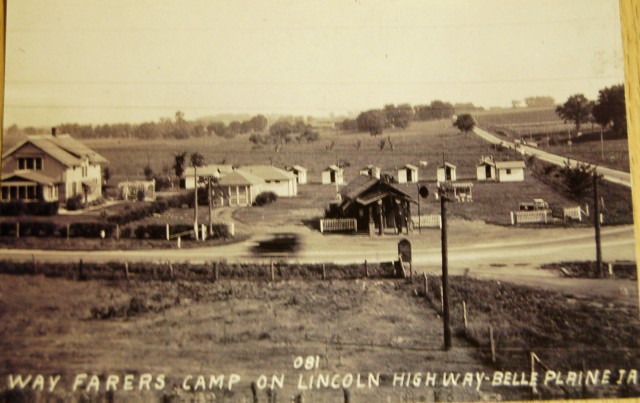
(508, 171)
(32, 163)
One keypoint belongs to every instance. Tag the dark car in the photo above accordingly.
(285, 242)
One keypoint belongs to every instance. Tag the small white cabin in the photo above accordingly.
(300, 172)
(446, 172)
(333, 174)
(486, 169)
(408, 174)
(510, 171)
(370, 170)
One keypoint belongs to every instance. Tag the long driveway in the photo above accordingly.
(609, 174)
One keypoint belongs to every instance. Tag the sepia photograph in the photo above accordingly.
(316, 201)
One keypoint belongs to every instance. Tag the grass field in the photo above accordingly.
(48, 325)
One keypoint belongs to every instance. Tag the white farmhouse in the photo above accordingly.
(276, 180)
(204, 172)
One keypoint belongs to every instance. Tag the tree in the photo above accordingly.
(539, 101)
(576, 109)
(106, 174)
(577, 179)
(197, 160)
(372, 121)
(610, 109)
(398, 116)
(259, 123)
(178, 163)
(465, 123)
(349, 125)
(148, 172)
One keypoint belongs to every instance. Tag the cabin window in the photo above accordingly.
(508, 171)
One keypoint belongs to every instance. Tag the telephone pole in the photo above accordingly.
(445, 271)
(596, 224)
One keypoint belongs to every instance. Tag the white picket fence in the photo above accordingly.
(574, 213)
(338, 224)
(530, 217)
(427, 221)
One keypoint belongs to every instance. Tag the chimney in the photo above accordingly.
(53, 131)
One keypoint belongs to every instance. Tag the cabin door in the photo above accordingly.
(487, 171)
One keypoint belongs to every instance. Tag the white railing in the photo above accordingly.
(529, 217)
(575, 213)
(427, 221)
(338, 224)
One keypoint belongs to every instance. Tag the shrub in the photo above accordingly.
(18, 207)
(265, 198)
(13, 208)
(90, 229)
(75, 203)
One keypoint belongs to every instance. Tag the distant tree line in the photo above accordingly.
(375, 121)
(285, 131)
(178, 128)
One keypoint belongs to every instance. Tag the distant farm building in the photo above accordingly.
(376, 205)
(333, 175)
(300, 172)
(446, 173)
(486, 169)
(204, 172)
(408, 174)
(510, 171)
(371, 171)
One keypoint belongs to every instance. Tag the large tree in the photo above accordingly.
(465, 123)
(178, 163)
(576, 109)
(610, 109)
(372, 121)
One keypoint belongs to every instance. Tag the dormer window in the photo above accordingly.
(30, 163)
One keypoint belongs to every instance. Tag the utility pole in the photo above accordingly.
(596, 224)
(195, 200)
(601, 145)
(445, 270)
(210, 198)
(419, 223)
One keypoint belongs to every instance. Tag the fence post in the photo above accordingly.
(18, 230)
(171, 271)
(347, 397)
(232, 229)
(117, 232)
(493, 345)
(68, 230)
(355, 225)
(168, 234)
(324, 272)
(179, 243)
(513, 220)
(439, 220)
(464, 314)
(272, 272)
(426, 284)
(366, 268)
(321, 226)
(126, 270)
(610, 269)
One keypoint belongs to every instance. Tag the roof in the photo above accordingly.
(268, 172)
(510, 164)
(366, 190)
(31, 176)
(239, 177)
(412, 167)
(209, 170)
(333, 168)
(297, 168)
(448, 165)
(61, 147)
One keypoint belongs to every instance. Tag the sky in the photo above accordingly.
(96, 61)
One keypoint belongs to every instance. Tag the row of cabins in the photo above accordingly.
(487, 170)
